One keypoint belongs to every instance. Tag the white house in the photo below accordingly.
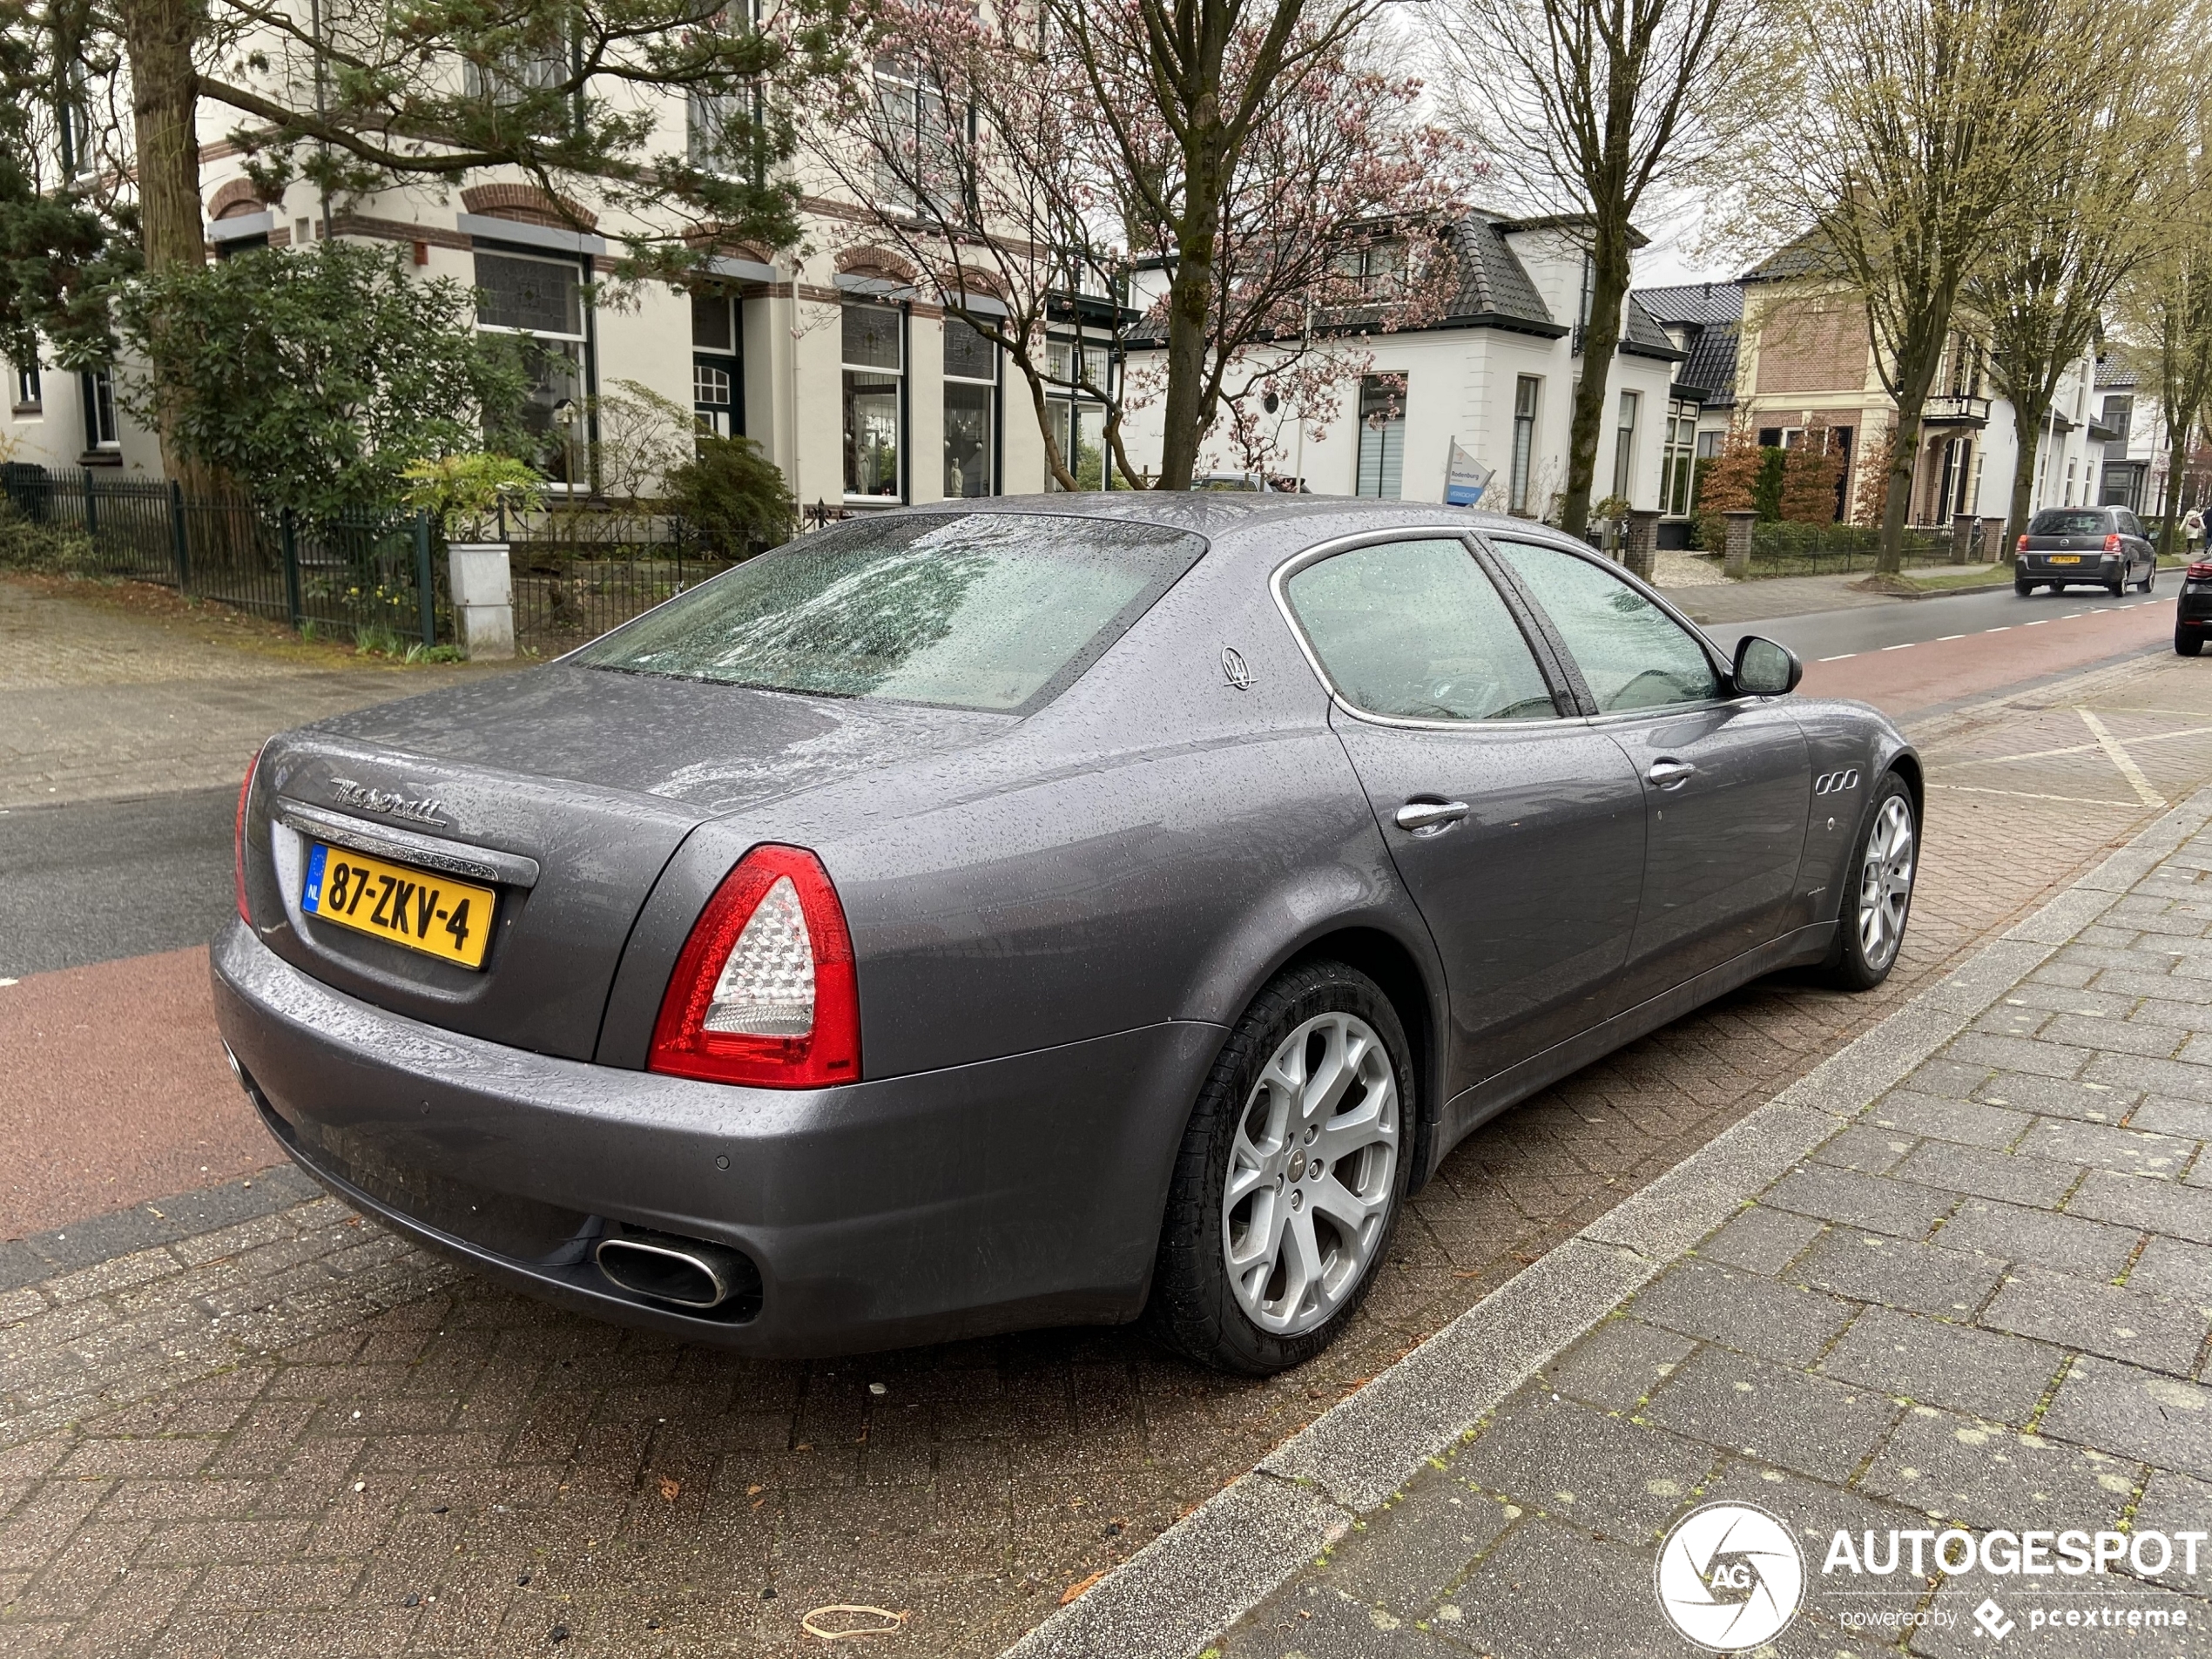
(1496, 374)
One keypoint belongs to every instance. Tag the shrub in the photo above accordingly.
(28, 546)
(733, 498)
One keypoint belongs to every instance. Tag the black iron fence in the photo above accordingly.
(578, 574)
(1826, 549)
(376, 574)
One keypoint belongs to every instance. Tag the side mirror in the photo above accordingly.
(1765, 669)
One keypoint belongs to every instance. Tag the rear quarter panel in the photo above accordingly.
(1149, 847)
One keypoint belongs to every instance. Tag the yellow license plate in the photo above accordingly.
(2065, 558)
(420, 909)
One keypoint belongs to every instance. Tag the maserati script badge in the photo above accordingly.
(389, 802)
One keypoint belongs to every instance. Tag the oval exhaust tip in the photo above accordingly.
(680, 1271)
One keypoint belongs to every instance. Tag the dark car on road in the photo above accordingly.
(2065, 546)
(2193, 611)
(1036, 912)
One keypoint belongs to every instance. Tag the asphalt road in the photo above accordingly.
(1920, 658)
(1829, 635)
(102, 880)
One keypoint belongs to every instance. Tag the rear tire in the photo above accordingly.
(2118, 585)
(2187, 644)
(1243, 1183)
(1878, 891)
(2023, 589)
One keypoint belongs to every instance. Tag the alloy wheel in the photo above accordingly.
(1885, 882)
(1311, 1169)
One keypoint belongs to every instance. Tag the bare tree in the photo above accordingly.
(975, 146)
(1903, 149)
(2099, 205)
(2167, 308)
(1590, 106)
(1180, 89)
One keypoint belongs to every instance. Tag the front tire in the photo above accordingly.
(1878, 891)
(1290, 1176)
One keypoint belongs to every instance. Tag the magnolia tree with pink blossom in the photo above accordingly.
(1038, 168)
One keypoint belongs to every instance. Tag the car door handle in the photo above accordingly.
(1419, 815)
(1670, 774)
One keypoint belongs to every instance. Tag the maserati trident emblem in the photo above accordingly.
(389, 802)
(1234, 669)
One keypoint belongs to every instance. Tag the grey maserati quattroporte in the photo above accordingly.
(1031, 912)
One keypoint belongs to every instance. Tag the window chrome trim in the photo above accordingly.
(1724, 667)
(1277, 583)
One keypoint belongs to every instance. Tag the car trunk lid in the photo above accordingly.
(564, 793)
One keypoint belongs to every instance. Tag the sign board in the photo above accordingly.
(1465, 478)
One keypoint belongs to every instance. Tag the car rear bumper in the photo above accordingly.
(1011, 1193)
(2092, 571)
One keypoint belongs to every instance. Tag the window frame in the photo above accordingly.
(1567, 700)
(1624, 442)
(903, 378)
(1066, 404)
(1723, 670)
(1521, 469)
(98, 388)
(587, 368)
(1379, 432)
(947, 380)
(28, 395)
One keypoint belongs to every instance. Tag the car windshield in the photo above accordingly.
(2059, 521)
(995, 611)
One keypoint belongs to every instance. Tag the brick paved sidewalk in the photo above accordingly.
(1981, 1300)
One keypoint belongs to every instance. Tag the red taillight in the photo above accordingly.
(2022, 547)
(2200, 571)
(238, 836)
(2112, 542)
(764, 992)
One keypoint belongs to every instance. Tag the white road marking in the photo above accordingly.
(1907, 645)
(1845, 658)
(2122, 760)
(2022, 794)
(1943, 638)
(2037, 622)
(2006, 629)
(2077, 749)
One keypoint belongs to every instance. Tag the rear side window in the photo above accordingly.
(1414, 631)
(1632, 654)
(2069, 520)
(995, 611)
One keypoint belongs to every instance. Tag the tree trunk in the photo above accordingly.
(1601, 339)
(2177, 456)
(2028, 426)
(1191, 299)
(1916, 371)
(158, 37)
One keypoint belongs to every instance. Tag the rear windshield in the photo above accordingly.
(995, 611)
(2061, 520)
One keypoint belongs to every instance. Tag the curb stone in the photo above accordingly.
(158, 1221)
(1220, 1561)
